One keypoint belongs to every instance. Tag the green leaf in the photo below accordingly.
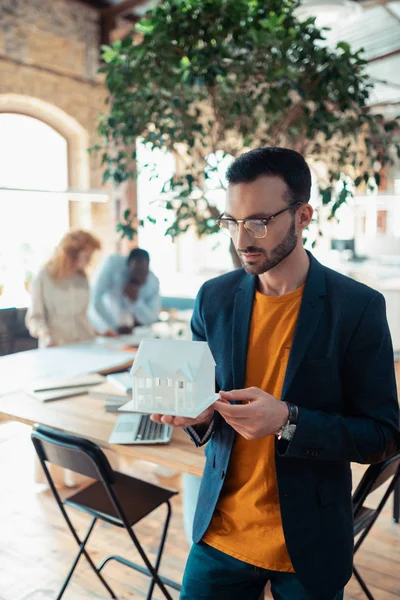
(184, 62)
(209, 76)
(343, 46)
(326, 195)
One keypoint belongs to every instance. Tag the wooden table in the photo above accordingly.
(85, 416)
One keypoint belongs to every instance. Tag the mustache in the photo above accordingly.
(251, 249)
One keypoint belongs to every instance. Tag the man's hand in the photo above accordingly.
(204, 418)
(124, 329)
(259, 415)
(109, 333)
(131, 290)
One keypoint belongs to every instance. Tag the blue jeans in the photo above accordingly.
(214, 575)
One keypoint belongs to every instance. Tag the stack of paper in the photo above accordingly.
(50, 389)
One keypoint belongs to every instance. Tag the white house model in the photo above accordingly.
(172, 377)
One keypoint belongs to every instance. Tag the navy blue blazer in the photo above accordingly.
(341, 375)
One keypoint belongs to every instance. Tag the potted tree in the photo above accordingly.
(207, 79)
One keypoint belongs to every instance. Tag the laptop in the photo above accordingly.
(133, 428)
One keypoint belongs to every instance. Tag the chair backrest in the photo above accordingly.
(71, 452)
(375, 476)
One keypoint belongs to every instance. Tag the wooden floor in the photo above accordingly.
(36, 550)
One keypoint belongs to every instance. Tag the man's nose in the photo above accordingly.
(243, 237)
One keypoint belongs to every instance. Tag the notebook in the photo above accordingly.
(57, 388)
(132, 428)
(121, 381)
(58, 383)
(108, 391)
(49, 395)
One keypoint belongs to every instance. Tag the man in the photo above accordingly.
(307, 358)
(125, 293)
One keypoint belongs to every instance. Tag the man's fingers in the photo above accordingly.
(156, 418)
(172, 421)
(244, 394)
(235, 411)
(168, 420)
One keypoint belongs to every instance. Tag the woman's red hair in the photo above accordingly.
(63, 262)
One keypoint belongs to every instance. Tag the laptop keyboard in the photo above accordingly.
(147, 431)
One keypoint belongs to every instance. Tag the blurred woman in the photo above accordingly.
(60, 293)
(58, 312)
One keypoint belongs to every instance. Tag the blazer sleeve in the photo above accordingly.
(368, 432)
(199, 435)
(36, 316)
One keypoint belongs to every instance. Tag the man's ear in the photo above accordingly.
(305, 214)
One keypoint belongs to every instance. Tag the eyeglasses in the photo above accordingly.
(255, 227)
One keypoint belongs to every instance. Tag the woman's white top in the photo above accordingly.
(58, 310)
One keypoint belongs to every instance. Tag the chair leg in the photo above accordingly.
(74, 564)
(152, 572)
(76, 537)
(86, 555)
(160, 550)
(142, 570)
(377, 512)
(396, 502)
(362, 584)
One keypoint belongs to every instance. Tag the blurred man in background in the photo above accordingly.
(125, 293)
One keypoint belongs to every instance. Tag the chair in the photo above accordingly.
(114, 497)
(364, 517)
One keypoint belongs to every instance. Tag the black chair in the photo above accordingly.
(364, 517)
(114, 497)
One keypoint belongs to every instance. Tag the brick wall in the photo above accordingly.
(49, 50)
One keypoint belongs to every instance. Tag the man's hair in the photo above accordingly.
(280, 162)
(138, 254)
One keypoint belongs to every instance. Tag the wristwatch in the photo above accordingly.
(289, 429)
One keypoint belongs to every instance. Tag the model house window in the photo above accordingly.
(149, 382)
(181, 385)
(169, 382)
(158, 382)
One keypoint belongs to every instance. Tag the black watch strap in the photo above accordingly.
(293, 413)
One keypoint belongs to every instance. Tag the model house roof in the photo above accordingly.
(169, 358)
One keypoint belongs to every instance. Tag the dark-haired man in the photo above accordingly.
(125, 293)
(305, 358)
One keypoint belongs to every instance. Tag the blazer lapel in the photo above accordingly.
(240, 329)
(309, 316)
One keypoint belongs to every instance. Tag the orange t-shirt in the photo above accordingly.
(247, 520)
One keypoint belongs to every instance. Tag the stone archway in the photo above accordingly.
(76, 136)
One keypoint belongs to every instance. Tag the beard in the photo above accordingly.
(274, 256)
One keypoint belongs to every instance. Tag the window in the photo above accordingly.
(181, 385)
(149, 382)
(158, 382)
(169, 382)
(183, 264)
(27, 165)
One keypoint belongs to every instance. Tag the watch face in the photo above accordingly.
(288, 432)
